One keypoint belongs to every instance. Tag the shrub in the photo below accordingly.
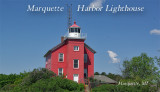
(11, 78)
(123, 88)
(54, 84)
(8, 87)
(41, 80)
(81, 87)
(37, 74)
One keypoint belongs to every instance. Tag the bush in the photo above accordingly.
(11, 78)
(37, 74)
(8, 87)
(54, 84)
(123, 88)
(40, 80)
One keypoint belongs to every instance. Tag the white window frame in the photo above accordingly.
(59, 57)
(78, 77)
(58, 71)
(78, 64)
(76, 46)
(85, 60)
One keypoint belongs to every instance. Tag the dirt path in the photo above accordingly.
(87, 88)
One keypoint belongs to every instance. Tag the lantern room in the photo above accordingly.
(74, 31)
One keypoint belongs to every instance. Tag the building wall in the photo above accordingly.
(48, 62)
(69, 55)
(75, 55)
(90, 62)
(55, 64)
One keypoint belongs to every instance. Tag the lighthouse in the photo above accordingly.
(72, 58)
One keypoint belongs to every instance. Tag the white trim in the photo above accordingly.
(76, 46)
(58, 71)
(78, 77)
(73, 63)
(59, 57)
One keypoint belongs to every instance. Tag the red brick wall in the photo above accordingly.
(48, 62)
(55, 64)
(90, 62)
(75, 55)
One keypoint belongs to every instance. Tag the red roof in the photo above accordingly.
(74, 25)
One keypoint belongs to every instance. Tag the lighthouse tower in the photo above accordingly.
(72, 58)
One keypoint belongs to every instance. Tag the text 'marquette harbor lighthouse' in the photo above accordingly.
(72, 58)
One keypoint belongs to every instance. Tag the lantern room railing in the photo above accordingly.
(81, 36)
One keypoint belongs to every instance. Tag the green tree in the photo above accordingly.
(96, 73)
(142, 67)
(158, 63)
(158, 60)
(103, 73)
(114, 76)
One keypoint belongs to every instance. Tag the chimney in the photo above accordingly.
(62, 38)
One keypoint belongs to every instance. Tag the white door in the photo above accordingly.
(75, 78)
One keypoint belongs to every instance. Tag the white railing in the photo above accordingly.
(81, 36)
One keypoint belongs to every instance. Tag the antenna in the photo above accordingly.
(69, 17)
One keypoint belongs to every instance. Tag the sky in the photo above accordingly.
(26, 36)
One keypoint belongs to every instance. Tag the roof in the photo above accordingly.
(54, 48)
(74, 25)
(104, 79)
(62, 43)
(85, 45)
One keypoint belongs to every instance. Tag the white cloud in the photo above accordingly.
(96, 3)
(155, 31)
(113, 56)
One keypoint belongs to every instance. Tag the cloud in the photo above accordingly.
(155, 31)
(96, 3)
(113, 56)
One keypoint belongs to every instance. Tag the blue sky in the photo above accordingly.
(26, 36)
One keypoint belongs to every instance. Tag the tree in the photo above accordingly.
(141, 66)
(96, 73)
(158, 61)
(114, 76)
(103, 73)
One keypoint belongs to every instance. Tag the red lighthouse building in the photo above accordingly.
(72, 57)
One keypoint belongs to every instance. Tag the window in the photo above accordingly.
(78, 30)
(85, 58)
(76, 48)
(72, 30)
(85, 72)
(76, 63)
(60, 71)
(61, 57)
